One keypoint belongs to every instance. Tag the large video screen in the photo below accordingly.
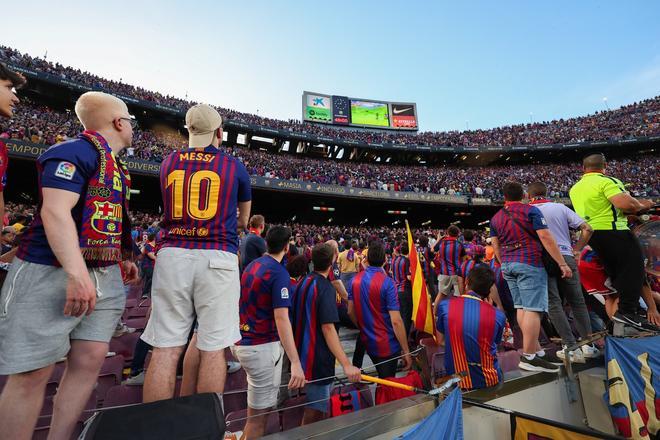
(318, 108)
(370, 113)
(357, 112)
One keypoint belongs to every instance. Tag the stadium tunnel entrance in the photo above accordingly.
(282, 206)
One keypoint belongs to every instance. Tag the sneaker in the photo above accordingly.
(641, 315)
(576, 356)
(135, 380)
(233, 367)
(122, 330)
(629, 319)
(537, 364)
(551, 358)
(590, 351)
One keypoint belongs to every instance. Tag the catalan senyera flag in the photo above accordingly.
(422, 314)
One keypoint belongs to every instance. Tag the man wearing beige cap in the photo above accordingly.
(196, 272)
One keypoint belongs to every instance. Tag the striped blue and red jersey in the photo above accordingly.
(425, 259)
(518, 240)
(264, 287)
(401, 272)
(374, 295)
(449, 255)
(201, 190)
(67, 166)
(472, 330)
(313, 305)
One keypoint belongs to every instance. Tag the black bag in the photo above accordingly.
(193, 417)
(549, 263)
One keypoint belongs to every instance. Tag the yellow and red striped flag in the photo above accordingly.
(422, 315)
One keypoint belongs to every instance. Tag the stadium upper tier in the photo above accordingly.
(43, 125)
(636, 120)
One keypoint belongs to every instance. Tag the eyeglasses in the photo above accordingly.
(131, 121)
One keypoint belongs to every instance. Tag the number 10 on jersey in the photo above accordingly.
(197, 208)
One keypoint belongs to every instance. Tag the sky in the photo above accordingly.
(466, 64)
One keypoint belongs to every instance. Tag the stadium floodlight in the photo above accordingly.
(135, 191)
(426, 223)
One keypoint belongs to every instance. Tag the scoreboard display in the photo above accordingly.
(356, 112)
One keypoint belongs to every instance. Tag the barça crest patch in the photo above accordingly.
(107, 218)
(65, 170)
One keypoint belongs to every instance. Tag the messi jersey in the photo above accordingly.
(472, 329)
(374, 296)
(448, 257)
(400, 272)
(425, 259)
(314, 305)
(201, 190)
(264, 287)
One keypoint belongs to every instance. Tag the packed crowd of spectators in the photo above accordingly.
(41, 124)
(637, 119)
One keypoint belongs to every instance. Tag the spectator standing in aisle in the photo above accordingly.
(196, 275)
(67, 293)
(519, 234)
(602, 201)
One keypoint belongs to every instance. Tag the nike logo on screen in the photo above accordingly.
(401, 110)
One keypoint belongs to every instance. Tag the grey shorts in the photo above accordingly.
(194, 283)
(34, 332)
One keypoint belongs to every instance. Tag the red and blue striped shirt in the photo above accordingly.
(264, 287)
(374, 295)
(449, 255)
(400, 272)
(314, 305)
(201, 190)
(518, 242)
(472, 330)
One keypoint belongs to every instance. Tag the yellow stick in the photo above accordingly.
(389, 383)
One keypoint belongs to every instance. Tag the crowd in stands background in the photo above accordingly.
(637, 119)
(43, 125)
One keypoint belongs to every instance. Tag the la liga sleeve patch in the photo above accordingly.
(65, 170)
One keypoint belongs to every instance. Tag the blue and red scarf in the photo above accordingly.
(105, 221)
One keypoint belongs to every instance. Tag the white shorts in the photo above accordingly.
(263, 365)
(189, 284)
(448, 285)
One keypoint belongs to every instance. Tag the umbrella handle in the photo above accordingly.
(389, 383)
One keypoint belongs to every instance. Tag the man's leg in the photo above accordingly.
(139, 357)
(190, 368)
(212, 371)
(387, 368)
(161, 374)
(530, 327)
(311, 416)
(255, 427)
(572, 291)
(21, 401)
(557, 314)
(83, 364)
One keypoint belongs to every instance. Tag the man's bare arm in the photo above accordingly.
(244, 214)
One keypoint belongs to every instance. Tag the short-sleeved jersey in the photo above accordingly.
(4, 164)
(401, 272)
(67, 166)
(148, 263)
(449, 255)
(265, 287)
(314, 305)
(560, 219)
(518, 241)
(472, 330)
(252, 247)
(349, 261)
(201, 189)
(425, 259)
(374, 295)
(590, 197)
